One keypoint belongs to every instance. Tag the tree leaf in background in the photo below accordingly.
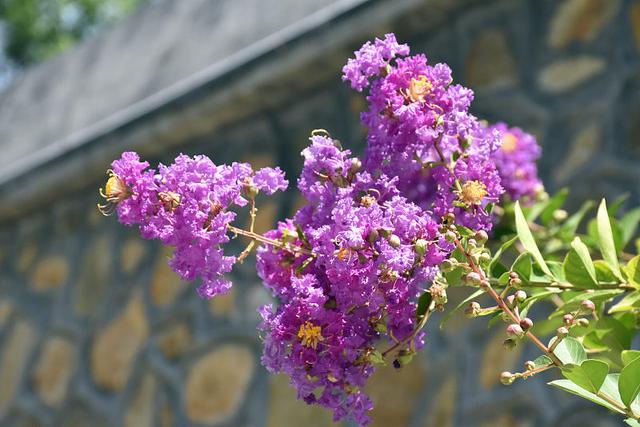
(605, 239)
(555, 203)
(570, 226)
(522, 266)
(503, 248)
(629, 356)
(423, 304)
(578, 267)
(527, 240)
(617, 204)
(633, 270)
(569, 351)
(629, 302)
(629, 225)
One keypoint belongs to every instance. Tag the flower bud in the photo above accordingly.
(516, 283)
(473, 278)
(472, 244)
(513, 275)
(509, 344)
(588, 306)
(421, 247)
(447, 265)
(510, 300)
(439, 294)
(514, 331)
(481, 237)
(405, 356)
(560, 215)
(507, 378)
(473, 309)
(485, 258)
(562, 332)
(449, 218)
(583, 322)
(394, 241)
(484, 283)
(450, 236)
(526, 324)
(355, 165)
(521, 296)
(529, 365)
(567, 319)
(373, 236)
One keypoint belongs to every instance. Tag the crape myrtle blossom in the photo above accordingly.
(374, 253)
(186, 205)
(349, 269)
(516, 162)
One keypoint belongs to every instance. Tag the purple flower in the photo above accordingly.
(270, 180)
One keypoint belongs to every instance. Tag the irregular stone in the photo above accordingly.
(223, 305)
(5, 311)
(566, 74)
(117, 345)
(580, 20)
(583, 148)
(141, 411)
(497, 359)
(286, 410)
(26, 257)
(217, 383)
(15, 355)
(490, 63)
(50, 273)
(133, 250)
(443, 408)
(53, 371)
(175, 341)
(634, 16)
(96, 276)
(165, 285)
(395, 408)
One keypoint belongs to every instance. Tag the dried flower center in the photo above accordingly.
(509, 143)
(419, 88)
(170, 200)
(114, 192)
(473, 192)
(367, 201)
(310, 334)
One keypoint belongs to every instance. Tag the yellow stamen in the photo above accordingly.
(419, 88)
(509, 143)
(114, 192)
(473, 192)
(310, 335)
(170, 200)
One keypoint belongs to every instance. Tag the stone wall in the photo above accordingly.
(95, 330)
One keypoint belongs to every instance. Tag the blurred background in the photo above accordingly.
(95, 330)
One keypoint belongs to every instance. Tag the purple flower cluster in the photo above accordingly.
(516, 162)
(185, 205)
(420, 130)
(373, 252)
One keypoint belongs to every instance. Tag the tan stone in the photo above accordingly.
(175, 341)
(583, 148)
(15, 355)
(26, 256)
(117, 345)
(490, 62)
(133, 251)
(217, 383)
(96, 276)
(580, 20)
(566, 74)
(223, 305)
(634, 16)
(497, 359)
(54, 370)
(286, 410)
(443, 408)
(50, 273)
(166, 285)
(5, 312)
(141, 411)
(395, 408)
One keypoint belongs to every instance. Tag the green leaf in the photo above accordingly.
(555, 203)
(496, 258)
(527, 240)
(578, 267)
(605, 239)
(571, 387)
(423, 304)
(628, 303)
(604, 272)
(522, 266)
(632, 422)
(629, 356)
(617, 204)
(629, 225)
(633, 270)
(569, 351)
(377, 358)
(589, 375)
(629, 382)
(541, 361)
(463, 303)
